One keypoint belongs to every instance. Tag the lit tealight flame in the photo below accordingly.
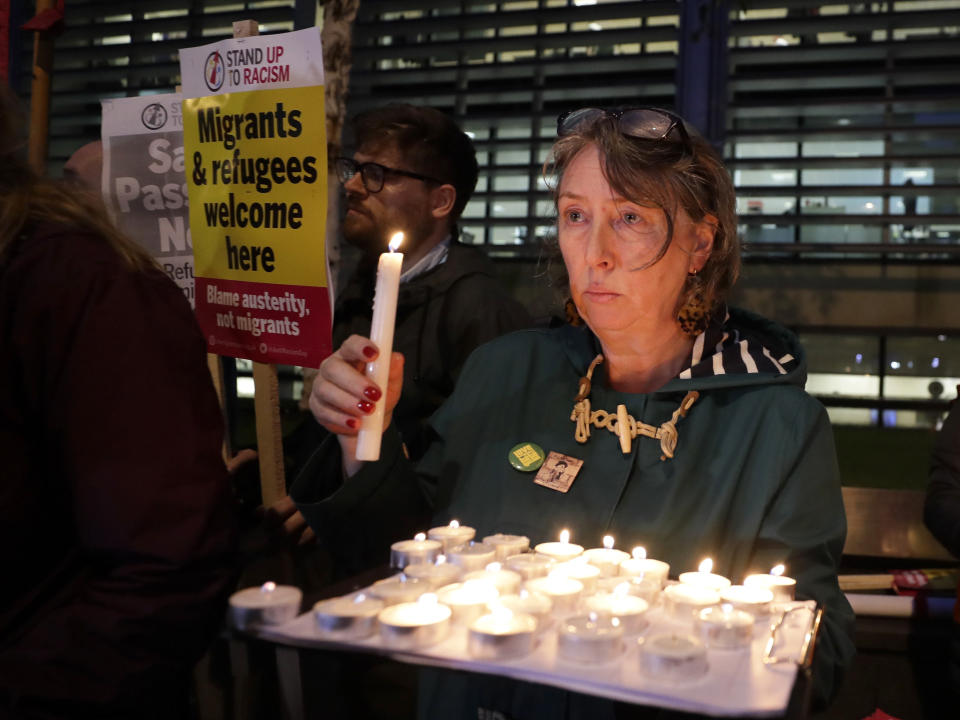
(268, 587)
(727, 608)
(428, 599)
(622, 590)
(493, 567)
(639, 553)
(454, 524)
(615, 622)
(777, 570)
(395, 241)
(706, 566)
(564, 536)
(608, 542)
(359, 598)
(501, 615)
(420, 537)
(441, 559)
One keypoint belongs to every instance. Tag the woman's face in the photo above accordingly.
(608, 241)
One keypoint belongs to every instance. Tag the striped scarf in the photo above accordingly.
(725, 350)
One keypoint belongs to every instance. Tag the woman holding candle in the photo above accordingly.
(695, 435)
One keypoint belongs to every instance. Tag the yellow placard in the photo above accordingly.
(256, 168)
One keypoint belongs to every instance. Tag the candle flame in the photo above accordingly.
(268, 587)
(420, 537)
(493, 567)
(608, 542)
(428, 599)
(454, 524)
(727, 608)
(564, 536)
(524, 593)
(622, 590)
(395, 241)
(441, 559)
(615, 622)
(639, 552)
(777, 570)
(501, 615)
(706, 566)
(359, 598)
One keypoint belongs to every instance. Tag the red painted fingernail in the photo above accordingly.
(372, 393)
(365, 406)
(370, 351)
(352, 424)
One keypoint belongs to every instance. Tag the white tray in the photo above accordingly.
(738, 683)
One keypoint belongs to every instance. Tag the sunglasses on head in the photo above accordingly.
(643, 123)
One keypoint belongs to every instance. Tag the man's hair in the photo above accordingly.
(430, 142)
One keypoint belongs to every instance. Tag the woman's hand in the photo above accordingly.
(342, 394)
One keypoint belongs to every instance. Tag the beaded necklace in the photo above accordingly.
(622, 424)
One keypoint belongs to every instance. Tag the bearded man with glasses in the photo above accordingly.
(414, 171)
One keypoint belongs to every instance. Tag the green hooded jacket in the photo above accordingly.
(753, 481)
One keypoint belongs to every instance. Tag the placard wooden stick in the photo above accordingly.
(266, 388)
(40, 93)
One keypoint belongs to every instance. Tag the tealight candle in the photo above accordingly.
(348, 617)
(500, 635)
(381, 333)
(640, 587)
(452, 535)
(606, 558)
(682, 601)
(629, 608)
(411, 552)
(754, 600)
(472, 556)
(723, 626)
(673, 657)
(269, 604)
(507, 582)
(641, 566)
(587, 573)
(530, 565)
(530, 603)
(414, 624)
(436, 575)
(564, 592)
(783, 588)
(398, 589)
(507, 545)
(704, 578)
(560, 551)
(590, 639)
(468, 600)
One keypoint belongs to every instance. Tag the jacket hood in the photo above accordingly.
(740, 349)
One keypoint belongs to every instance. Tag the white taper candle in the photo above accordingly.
(381, 333)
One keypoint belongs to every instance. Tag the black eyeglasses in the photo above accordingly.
(373, 174)
(644, 123)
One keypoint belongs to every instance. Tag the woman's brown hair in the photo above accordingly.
(668, 175)
(27, 199)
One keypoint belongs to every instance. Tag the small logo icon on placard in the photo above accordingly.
(154, 116)
(214, 71)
